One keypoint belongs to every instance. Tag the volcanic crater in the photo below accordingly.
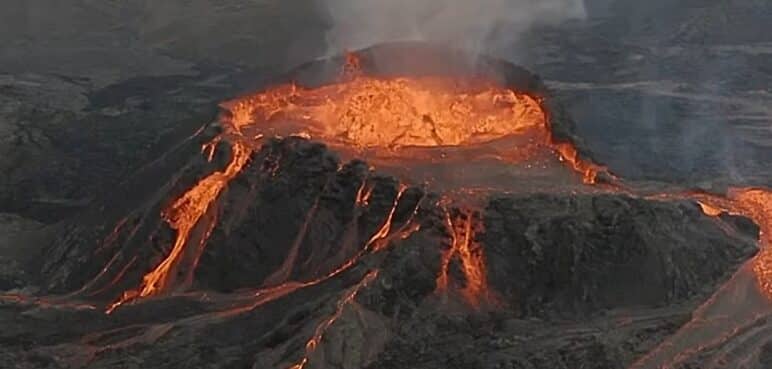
(364, 210)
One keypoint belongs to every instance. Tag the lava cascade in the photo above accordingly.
(462, 228)
(183, 215)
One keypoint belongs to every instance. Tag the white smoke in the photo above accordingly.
(470, 24)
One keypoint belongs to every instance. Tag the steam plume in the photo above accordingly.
(463, 23)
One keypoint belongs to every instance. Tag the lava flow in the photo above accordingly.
(321, 329)
(361, 114)
(755, 204)
(183, 215)
(725, 316)
(407, 117)
(463, 245)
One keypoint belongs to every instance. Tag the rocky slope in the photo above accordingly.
(630, 269)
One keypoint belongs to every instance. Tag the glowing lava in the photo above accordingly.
(463, 245)
(369, 112)
(363, 113)
(755, 204)
(183, 216)
(320, 330)
(384, 115)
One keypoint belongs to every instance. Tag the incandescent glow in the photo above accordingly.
(363, 113)
(383, 115)
(321, 329)
(755, 204)
(368, 112)
(463, 246)
(182, 216)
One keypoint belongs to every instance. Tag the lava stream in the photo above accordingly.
(373, 245)
(589, 171)
(463, 245)
(321, 329)
(755, 204)
(741, 303)
(183, 215)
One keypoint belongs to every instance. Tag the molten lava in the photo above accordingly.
(368, 112)
(463, 246)
(755, 204)
(183, 216)
(321, 329)
(383, 115)
(363, 113)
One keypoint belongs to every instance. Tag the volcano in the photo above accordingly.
(405, 205)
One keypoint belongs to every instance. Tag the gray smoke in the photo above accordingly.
(464, 23)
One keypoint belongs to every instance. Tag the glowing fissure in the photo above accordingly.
(377, 241)
(442, 278)
(463, 245)
(111, 239)
(199, 251)
(182, 216)
(115, 279)
(113, 236)
(322, 328)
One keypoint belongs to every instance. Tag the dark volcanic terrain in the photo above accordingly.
(105, 107)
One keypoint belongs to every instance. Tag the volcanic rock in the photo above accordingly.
(558, 254)
(303, 260)
(291, 216)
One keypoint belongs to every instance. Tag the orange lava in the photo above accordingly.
(389, 113)
(587, 169)
(320, 330)
(463, 245)
(357, 113)
(182, 216)
(384, 115)
(385, 229)
(755, 204)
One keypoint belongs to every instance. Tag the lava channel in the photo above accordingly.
(183, 215)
